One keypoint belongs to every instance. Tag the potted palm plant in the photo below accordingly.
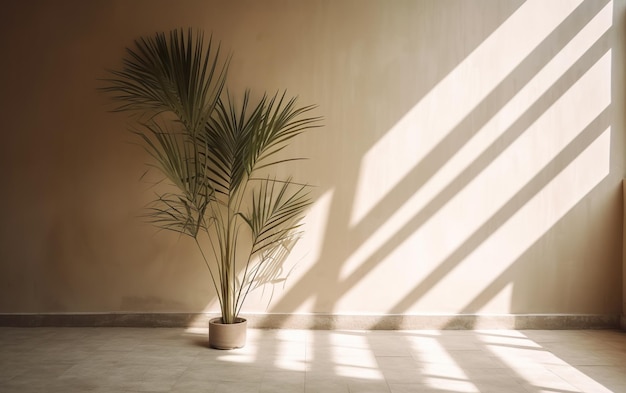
(217, 157)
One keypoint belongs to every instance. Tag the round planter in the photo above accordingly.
(227, 335)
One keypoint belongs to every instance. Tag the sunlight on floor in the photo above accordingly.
(541, 368)
(169, 360)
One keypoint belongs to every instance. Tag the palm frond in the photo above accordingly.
(175, 73)
(275, 211)
(281, 122)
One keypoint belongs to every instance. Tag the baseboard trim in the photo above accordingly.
(322, 321)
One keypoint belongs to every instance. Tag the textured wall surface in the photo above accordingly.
(471, 160)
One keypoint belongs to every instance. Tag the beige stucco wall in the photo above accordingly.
(471, 159)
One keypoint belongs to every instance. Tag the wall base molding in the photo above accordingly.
(323, 321)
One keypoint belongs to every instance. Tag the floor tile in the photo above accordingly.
(326, 386)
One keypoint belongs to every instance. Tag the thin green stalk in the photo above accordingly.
(206, 262)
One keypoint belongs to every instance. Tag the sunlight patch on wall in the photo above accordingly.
(524, 159)
(314, 227)
(498, 303)
(525, 227)
(502, 241)
(534, 148)
(452, 99)
(486, 136)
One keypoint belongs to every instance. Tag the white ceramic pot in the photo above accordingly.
(227, 335)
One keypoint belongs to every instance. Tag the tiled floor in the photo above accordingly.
(173, 360)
